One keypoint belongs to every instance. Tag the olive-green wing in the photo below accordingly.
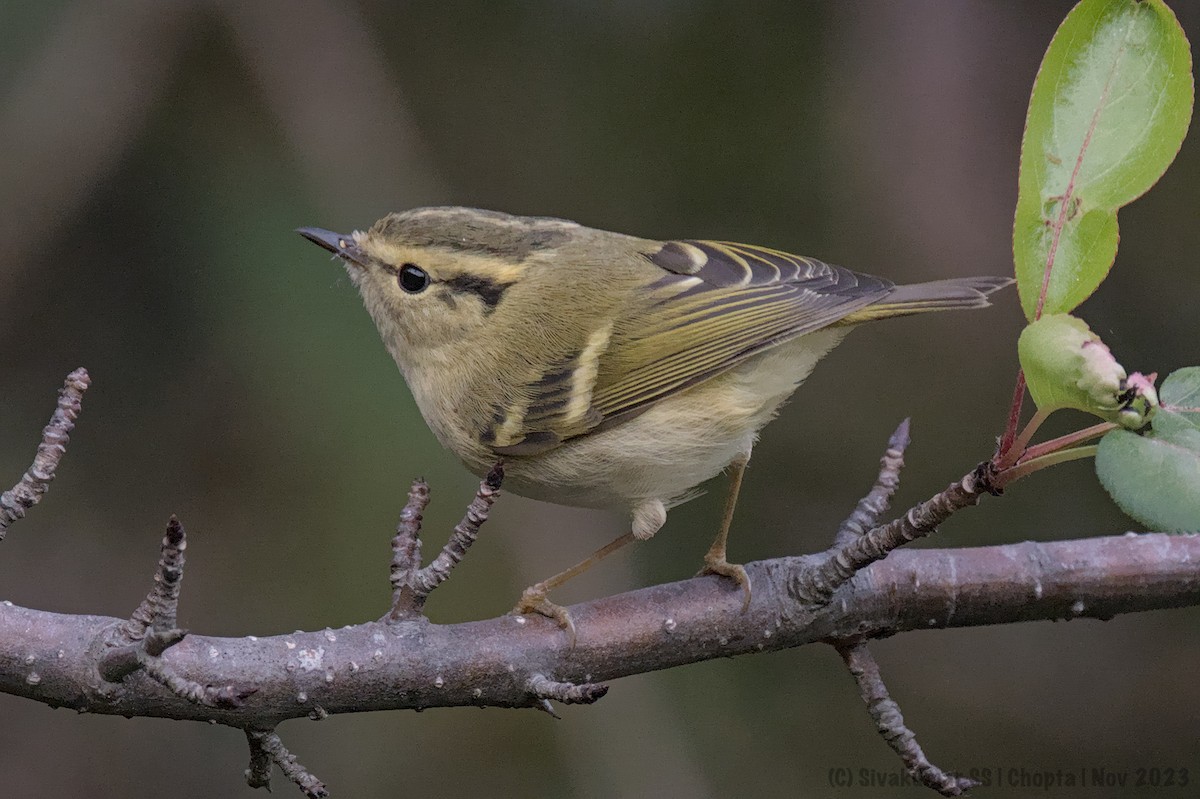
(715, 305)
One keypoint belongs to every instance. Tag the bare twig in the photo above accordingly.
(267, 748)
(55, 437)
(886, 714)
(223, 696)
(160, 607)
(410, 598)
(855, 652)
(138, 643)
(866, 514)
(843, 561)
(258, 772)
(569, 693)
(406, 549)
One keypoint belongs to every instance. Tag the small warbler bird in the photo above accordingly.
(605, 370)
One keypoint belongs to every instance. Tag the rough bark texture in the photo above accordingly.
(52, 658)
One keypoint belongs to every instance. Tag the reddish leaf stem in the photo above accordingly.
(1062, 442)
(1014, 419)
(1028, 467)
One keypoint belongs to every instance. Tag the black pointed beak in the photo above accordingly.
(340, 244)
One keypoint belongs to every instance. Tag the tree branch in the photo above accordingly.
(412, 664)
(146, 666)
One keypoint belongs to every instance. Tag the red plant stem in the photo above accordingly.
(1055, 444)
(1019, 451)
(1028, 467)
(1014, 418)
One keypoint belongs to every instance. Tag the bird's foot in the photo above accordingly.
(533, 600)
(716, 564)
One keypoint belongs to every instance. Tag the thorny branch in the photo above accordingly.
(147, 666)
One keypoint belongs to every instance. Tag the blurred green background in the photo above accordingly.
(154, 159)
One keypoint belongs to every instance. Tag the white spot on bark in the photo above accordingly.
(310, 659)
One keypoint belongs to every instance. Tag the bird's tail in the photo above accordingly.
(938, 295)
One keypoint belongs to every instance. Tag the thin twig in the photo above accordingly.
(28, 491)
(145, 656)
(227, 696)
(268, 746)
(890, 722)
(842, 562)
(258, 772)
(159, 609)
(406, 546)
(138, 643)
(424, 581)
(866, 514)
(857, 656)
(569, 693)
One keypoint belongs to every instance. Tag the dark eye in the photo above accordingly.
(412, 278)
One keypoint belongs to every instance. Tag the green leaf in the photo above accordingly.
(1066, 365)
(1180, 398)
(1110, 107)
(1154, 478)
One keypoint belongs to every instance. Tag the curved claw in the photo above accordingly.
(533, 600)
(735, 572)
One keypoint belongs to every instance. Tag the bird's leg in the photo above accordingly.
(714, 560)
(533, 599)
(648, 517)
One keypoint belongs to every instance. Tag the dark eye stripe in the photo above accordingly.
(486, 289)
